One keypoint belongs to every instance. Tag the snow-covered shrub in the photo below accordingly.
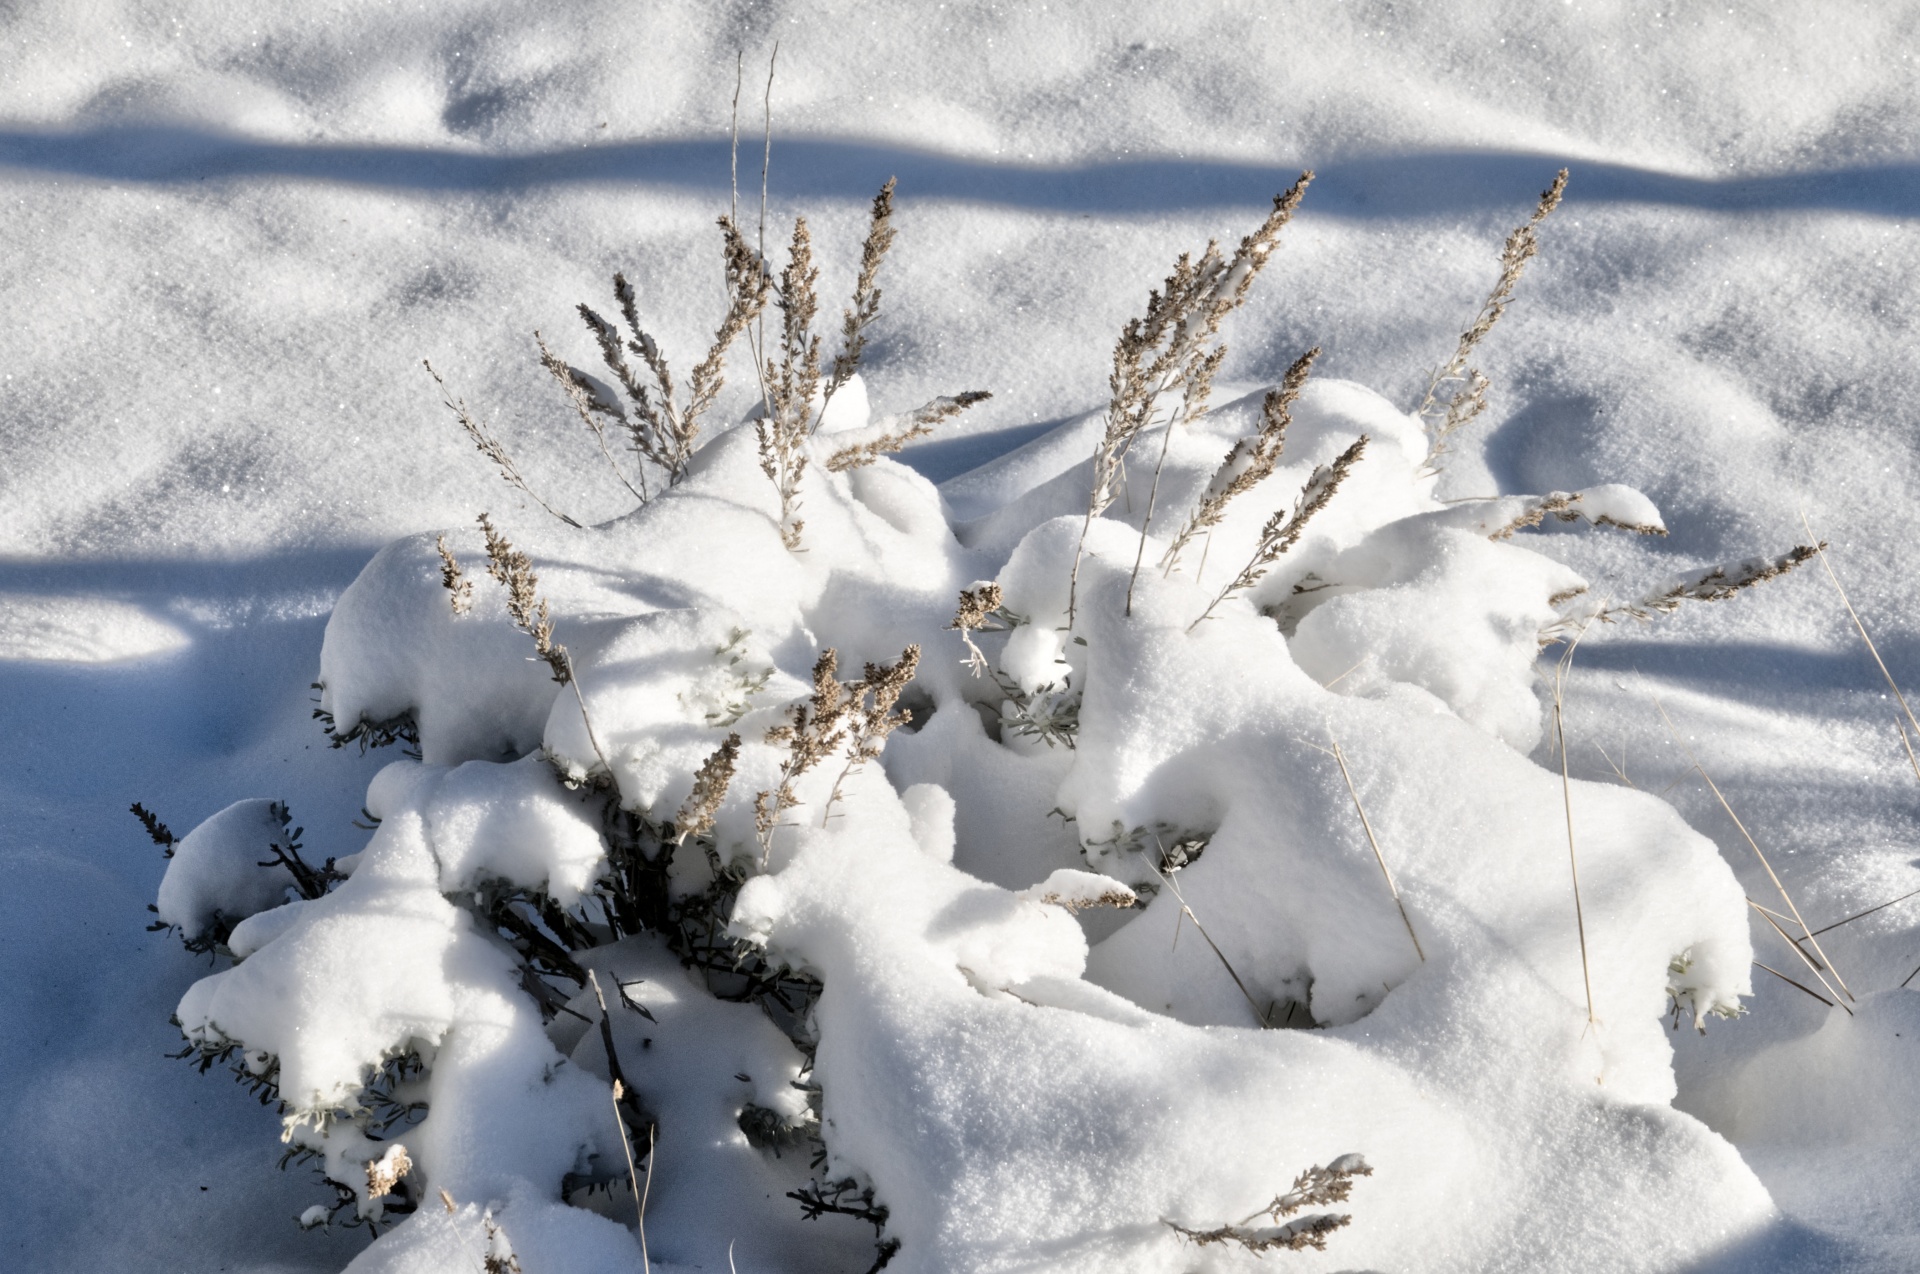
(905, 950)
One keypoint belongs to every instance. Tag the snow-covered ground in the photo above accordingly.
(230, 242)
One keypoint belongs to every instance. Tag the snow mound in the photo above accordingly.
(911, 948)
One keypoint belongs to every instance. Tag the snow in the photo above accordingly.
(233, 242)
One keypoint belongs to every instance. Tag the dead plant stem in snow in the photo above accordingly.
(1566, 794)
(1751, 844)
(1372, 840)
(1186, 913)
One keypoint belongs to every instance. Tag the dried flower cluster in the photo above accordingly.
(663, 430)
(1175, 343)
(866, 294)
(513, 571)
(1316, 1187)
(384, 1173)
(902, 430)
(709, 788)
(1283, 531)
(789, 383)
(982, 610)
(457, 585)
(1250, 462)
(1456, 394)
(860, 713)
(1555, 504)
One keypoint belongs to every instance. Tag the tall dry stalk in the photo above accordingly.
(513, 571)
(1793, 908)
(1378, 857)
(489, 446)
(1566, 795)
(1250, 462)
(1282, 531)
(1443, 413)
(1175, 343)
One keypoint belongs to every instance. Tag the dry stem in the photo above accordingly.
(489, 446)
(1378, 857)
(1175, 342)
(1283, 532)
(902, 430)
(1466, 403)
(1250, 461)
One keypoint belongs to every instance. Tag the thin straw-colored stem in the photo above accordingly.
(1751, 844)
(1566, 796)
(1790, 982)
(620, 1122)
(1868, 912)
(1187, 913)
(1378, 857)
(1812, 967)
(1820, 548)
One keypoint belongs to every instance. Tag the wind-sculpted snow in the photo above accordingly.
(1024, 1071)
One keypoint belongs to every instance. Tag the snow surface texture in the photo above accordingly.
(231, 241)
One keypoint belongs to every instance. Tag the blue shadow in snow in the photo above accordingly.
(1414, 183)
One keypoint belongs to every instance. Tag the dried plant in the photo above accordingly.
(872, 717)
(814, 731)
(489, 446)
(709, 787)
(1316, 1187)
(159, 832)
(1713, 584)
(1366, 825)
(513, 571)
(384, 1173)
(1456, 394)
(866, 296)
(457, 585)
(1250, 461)
(1282, 532)
(837, 714)
(590, 407)
(982, 610)
(902, 430)
(789, 384)
(1174, 343)
(1558, 505)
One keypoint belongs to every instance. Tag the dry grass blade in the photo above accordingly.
(1186, 913)
(1444, 416)
(902, 430)
(1819, 973)
(1868, 912)
(1378, 857)
(1174, 343)
(1566, 794)
(1801, 986)
(489, 446)
(1772, 875)
(620, 1121)
(1282, 531)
